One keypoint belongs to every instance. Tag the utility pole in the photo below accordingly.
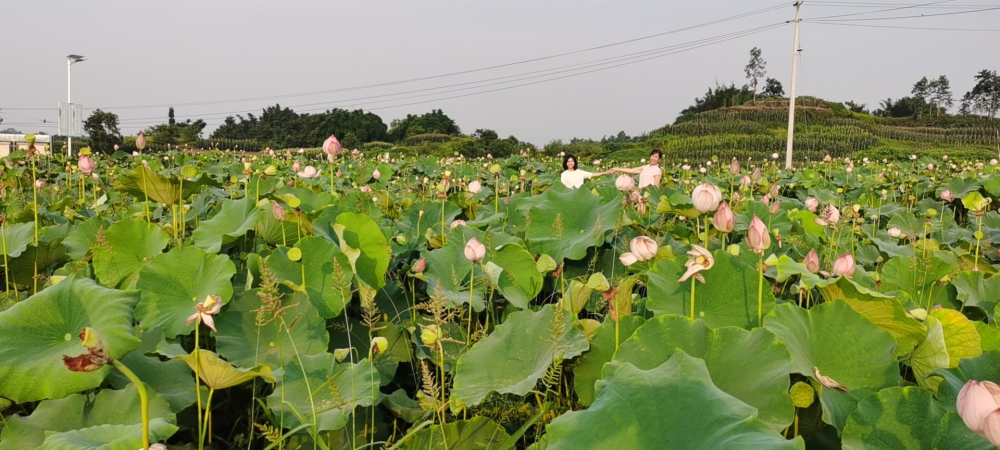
(70, 60)
(791, 93)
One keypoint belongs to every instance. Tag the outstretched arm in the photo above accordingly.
(633, 171)
(601, 174)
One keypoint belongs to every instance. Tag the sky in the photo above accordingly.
(153, 54)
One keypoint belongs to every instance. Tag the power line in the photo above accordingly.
(908, 28)
(882, 5)
(819, 20)
(885, 10)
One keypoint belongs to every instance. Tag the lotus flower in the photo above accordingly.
(734, 167)
(332, 146)
(979, 407)
(279, 212)
(420, 266)
(475, 187)
(706, 197)
(829, 217)
(724, 219)
(946, 195)
(644, 248)
(812, 204)
(758, 238)
(830, 383)
(475, 251)
(625, 183)
(96, 356)
(205, 310)
(458, 223)
(627, 259)
(376, 174)
(296, 166)
(430, 334)
(774, 207)
(39, 184)
(140, 141)
(844, 265)
(701, 260)
(745, 181)
(756, 174)
(308, 172)
(379, 345)
(86, 165)
(812, 261)
(895, 232)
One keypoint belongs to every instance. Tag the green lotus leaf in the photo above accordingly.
(79, 241)
(247, 338)
(629, 412)
(839, 342)
(752, 366)
(974, 289)
(234, 219)
(907, 223)
(361, 233)
(326, 269)
(566, 222)
(516, 355)
(728, 297)
(960, 335)
(174, 282)
(520, 280)
(448, 272)
(285, 232)
(480, 433)
(930, 355)
(916, 287)
(172, 379)
(112, 421)
(125, 247)
(906, 418)
(15, 238)
(142, 182)
(587, 370)
(884, 311)
(336, 388)
(974, 201)
(39, 331)
(219, 374)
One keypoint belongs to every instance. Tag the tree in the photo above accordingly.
(904, 107)
(984, 98)
(773, 88)
(921, 92)
(102, 128)
(755, 70)
(175, 133)
(170, 117)
(720, 97)
(433, 122)
(856, 107)
(940, 95)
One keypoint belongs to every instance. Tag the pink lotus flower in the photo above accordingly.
(205, 310)
(811, 204)
(844, 266)
(332, 146)
(725, 219)
(376, 174)
(627, 259)
(296, 166)
(829, 217)
(701, 260)
(812, 261)
(86, 165)
(140, 141)
(458, 223)
(979, 407)
(39, 184)
(758, 238)
(475, 251)
(309, 172)
(644, 248)
(895, 232)
(946, 195)
(624, 183)
(475, 187)
(734, 167)
(706, 197)
(279, 212)
(745, 181)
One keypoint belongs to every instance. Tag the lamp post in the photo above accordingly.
(70, 60)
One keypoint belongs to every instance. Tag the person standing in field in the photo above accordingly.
(572, 176)
(649, 174)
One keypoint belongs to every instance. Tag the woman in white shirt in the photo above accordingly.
(649, 174)
(573, 177)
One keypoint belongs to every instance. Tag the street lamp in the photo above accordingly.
(70, 60)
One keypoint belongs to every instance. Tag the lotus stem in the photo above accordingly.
(692, 297)
(472, 286)
(197, 376)
(760, 293)
(203, 427)
(143, 399)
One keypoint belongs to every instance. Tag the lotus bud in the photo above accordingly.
(644, 248)
(430, 334)
(624, 183)
(279, 212)
(758, 238)
(894, 232)
(376, 174)
(734, 167)
(844, 265)
(812, 204)
(379, 345)
(475, 187)
(332, 146)
(977, 405)
(475, 251)
(628, 259)
(946, 195)
(458, 223)
(756, 174)
(706, 197)
(86, 165)
(745, 181)
(39, 184)
(725, 219)
(420, 266)
(271, 171)
(774, 191)
(775, 207)
(812, 261)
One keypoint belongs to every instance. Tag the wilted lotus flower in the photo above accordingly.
(475, 187)
(279, 212)
(758, 238)
(826, 381)
(946, 195)
(309, 172)
(706, 197)
(701, 260)
(205, 310)
(458, 223)
(644, 248)
(624, 183)
(724, 219)
(745, 181)
(895, 232)
(86, 165)
(844, 266)
(296, 166)
(420, 266)
(379, 345)
(635, 196)
(829, 217)
(812, 261)
(979, 407)
(627, 259)
(430, 334)
(811, 204)
(96, 356)
(140, 141)
(475, 251)
(734, 167)
(332, 146)
(376, 174)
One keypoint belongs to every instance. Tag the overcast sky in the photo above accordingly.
(160, 53)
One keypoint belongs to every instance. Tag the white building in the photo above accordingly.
(12, 142)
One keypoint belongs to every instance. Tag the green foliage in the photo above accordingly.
(102, 130)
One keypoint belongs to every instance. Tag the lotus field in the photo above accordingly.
(342, 300)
